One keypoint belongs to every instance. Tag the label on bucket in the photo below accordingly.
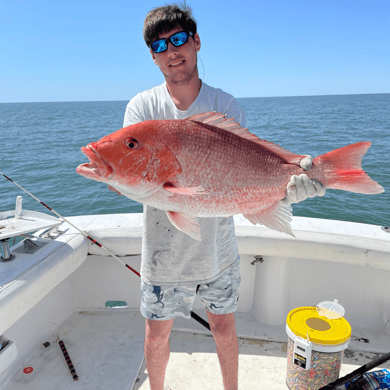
(302, 353)
(300, 361)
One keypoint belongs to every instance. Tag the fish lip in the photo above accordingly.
(98, 168)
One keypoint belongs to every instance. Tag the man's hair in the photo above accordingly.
(166, 18)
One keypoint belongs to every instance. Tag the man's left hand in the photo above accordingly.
(301, 187)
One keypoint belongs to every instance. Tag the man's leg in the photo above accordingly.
(220, 298)
(223, 327)
(160, 305)
(157, 351)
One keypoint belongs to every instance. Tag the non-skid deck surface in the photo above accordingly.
(107, 351)
(194, 364)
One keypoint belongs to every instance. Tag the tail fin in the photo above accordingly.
(343, 170)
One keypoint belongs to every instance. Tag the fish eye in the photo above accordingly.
(132, 143)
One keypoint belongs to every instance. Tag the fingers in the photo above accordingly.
(307, 184)
(301, 187)
(292, 191)
(320, 188)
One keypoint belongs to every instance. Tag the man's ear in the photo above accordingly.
(153, 56)
(197, 42)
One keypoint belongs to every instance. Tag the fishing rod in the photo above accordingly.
(359, 372)
(193, 315)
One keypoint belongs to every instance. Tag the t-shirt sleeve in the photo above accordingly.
(235, 111)
(220, 101)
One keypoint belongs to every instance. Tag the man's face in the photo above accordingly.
(178, 64)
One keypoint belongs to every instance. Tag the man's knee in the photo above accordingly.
(222, 326)
(158, 332)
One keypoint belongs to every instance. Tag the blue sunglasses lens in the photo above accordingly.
(177, 39)
(159, 46)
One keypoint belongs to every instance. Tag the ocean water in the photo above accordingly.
(40, 149)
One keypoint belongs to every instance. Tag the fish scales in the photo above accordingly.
(208, 166)
(222, 162)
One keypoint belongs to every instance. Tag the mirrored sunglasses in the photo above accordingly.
(177, 39)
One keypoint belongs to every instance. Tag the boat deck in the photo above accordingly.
(106, 348)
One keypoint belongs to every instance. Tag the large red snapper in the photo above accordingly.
(209, 166)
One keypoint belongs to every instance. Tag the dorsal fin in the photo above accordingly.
(219, 120)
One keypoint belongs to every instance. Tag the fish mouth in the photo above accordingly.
(97, 168)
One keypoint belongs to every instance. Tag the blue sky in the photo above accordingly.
(93, 50)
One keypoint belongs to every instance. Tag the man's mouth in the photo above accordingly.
(177, 63)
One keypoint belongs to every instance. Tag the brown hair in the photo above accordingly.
(166, 18)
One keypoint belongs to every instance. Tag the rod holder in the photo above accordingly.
(7, 256)
(18, 207)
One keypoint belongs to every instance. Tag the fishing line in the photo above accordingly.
(193, 315)
(202, 67)
(71, 224)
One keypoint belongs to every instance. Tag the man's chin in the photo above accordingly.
(183, 79)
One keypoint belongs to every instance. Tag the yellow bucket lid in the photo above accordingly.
(305, 321)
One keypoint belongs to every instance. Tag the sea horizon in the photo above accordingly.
(253, 97)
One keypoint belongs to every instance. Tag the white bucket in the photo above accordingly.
(315, 348)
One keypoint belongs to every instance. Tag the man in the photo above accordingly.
(174, 266)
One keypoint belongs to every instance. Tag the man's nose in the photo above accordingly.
(171, 48)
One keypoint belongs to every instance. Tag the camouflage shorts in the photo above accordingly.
(166, 302)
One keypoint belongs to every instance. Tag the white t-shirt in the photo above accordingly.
(169, 256)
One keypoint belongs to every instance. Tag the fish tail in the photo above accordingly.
(343, 169)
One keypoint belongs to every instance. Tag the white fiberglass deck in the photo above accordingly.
(61, 291)
(106, 348)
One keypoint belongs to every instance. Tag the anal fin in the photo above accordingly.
(276, 217)
(186, 223)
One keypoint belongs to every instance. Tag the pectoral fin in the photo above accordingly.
(186, 223)
(190, 191)
(276, 217)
